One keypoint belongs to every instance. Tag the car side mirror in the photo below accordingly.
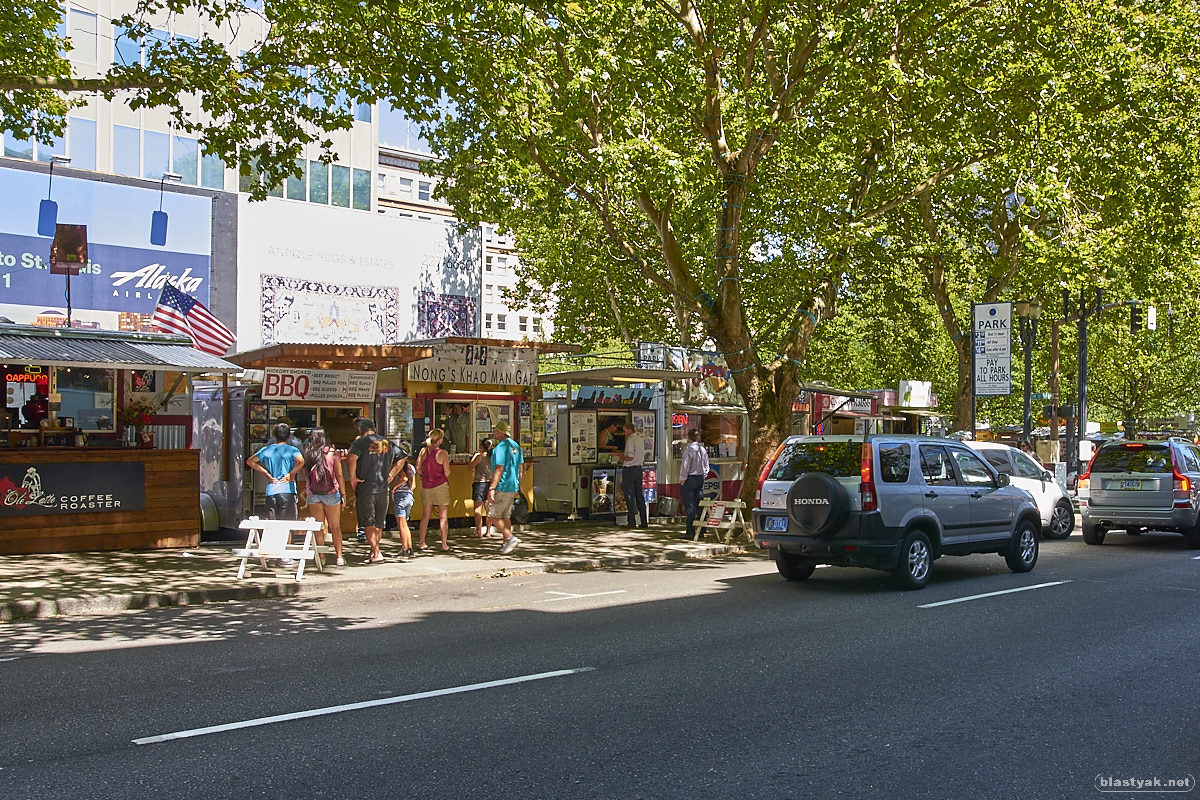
(1002, 478)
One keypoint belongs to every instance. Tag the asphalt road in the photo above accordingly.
(695, 680)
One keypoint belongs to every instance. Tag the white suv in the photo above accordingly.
(1053, 502)
(891, 502)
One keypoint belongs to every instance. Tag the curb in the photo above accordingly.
(101, 605)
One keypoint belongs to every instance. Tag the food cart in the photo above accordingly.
(96, 451)
(465, 387)
(581, 478)
(306, 386)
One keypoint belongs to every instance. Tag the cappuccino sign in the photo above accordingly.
(26, 489)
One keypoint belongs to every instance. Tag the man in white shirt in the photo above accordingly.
(693, 469)
(631, 477)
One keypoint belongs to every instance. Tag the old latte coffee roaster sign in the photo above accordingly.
(27, 489)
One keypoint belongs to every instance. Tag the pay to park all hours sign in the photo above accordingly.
(322, 385)
(992, 326)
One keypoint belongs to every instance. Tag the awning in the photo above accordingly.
(97, 349)
(366, 357)
(709, 408)
(588, 377)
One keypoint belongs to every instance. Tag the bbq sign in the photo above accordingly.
(27, 489)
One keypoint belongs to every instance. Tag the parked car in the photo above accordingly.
(1053, 502)
(891, 502)
(1142, 485)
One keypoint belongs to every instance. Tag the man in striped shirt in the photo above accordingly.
(693, 469)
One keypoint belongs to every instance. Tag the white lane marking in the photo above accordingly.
(386, 701)
(1183, 588)
(991, 594)
(14, 658)
(1195, 558)
(569, 596)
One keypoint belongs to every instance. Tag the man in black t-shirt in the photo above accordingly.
(370, 461)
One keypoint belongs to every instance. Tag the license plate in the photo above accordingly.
(1131, 484)
(775, 524)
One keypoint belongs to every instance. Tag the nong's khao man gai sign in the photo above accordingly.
(27, 489)
(477, 364)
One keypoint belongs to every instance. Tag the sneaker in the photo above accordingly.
(287, 562)
(509, 545)
(341, 562)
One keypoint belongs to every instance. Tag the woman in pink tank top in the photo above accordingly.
(433, 465)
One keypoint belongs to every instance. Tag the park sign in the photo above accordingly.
(991, 325)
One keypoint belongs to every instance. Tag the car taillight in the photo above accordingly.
(1182, 484)
(866, 474)
(766, 470)
(1082, 483)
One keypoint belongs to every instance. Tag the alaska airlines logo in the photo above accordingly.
(155, 276)
(810, 501)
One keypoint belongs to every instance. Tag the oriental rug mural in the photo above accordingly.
(298, 310)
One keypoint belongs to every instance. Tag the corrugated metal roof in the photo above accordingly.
(106, 351)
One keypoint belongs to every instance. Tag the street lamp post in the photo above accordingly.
(1028, 312)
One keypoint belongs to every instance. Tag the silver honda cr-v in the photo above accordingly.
(888, 501)
(1136, 486)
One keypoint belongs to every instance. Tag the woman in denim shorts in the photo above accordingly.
(403, 478)
(481, 464)
(325, 490)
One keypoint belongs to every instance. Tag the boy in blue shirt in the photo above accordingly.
(281, 463)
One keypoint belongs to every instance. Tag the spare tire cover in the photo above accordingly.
(818, 504)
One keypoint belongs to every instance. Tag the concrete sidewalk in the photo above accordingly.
(65, 584)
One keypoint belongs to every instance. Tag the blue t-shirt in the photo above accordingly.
(507, 454)
(279, 459)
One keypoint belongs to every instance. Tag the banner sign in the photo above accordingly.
(27, 490)
(613, 397)
(992, 328)
(318, 385)
(477, 365)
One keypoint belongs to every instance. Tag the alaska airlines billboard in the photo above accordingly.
(125, 272)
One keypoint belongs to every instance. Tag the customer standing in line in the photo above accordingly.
(433, 467)
(281, 463)
(693, 469)
(325, 490)
(402, 480)
(481, 463)
(507, 465)
(370, 463)
(631, 477)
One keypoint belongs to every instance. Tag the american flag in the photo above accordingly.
(178, 313)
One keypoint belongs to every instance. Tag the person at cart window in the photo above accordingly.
(631, 477)
(693, 469)
(609, 440)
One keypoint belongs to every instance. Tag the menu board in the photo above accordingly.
(544, 429)
(525, 427)
(397, 420)
(583, 437)
(321, 385)
(643, 422)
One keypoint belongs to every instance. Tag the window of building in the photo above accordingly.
(127, 51)
(295, 187)
(501, 265)
(404, 189)
(82, 133)
(185, 153)
(381, 182)
(488, 293)
(17, 148)
(339, 186)
(127, 151)
(318, 182)
(523, 324)
(423, 190)
(537, 324)
(156, 154)
(362, 112)
(487, 321)
(500, 322)
(362, 189)
(82, 32)
(44, 152)
(212, 171)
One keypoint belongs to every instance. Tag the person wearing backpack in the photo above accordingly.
(326, 488)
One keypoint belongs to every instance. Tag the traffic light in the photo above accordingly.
(1135, 318)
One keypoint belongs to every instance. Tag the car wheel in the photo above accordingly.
(793, 567)
(1062, 520)
(1023, 553)
(916, 560)
(1192, 535)
(1093, 534)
